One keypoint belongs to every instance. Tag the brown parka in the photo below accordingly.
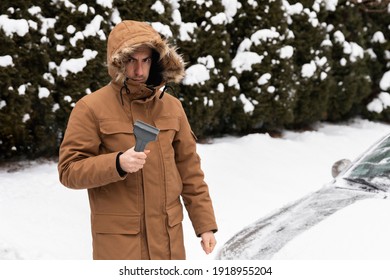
(138, 215)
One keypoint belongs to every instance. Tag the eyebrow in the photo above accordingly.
(148, 57)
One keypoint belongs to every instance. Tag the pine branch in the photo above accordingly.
(372, 6)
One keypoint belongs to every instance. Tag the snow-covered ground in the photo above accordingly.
(249, 177)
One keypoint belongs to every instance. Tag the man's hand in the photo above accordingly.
(132, 161)
(208, 241)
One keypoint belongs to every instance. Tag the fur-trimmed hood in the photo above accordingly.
(128, 35)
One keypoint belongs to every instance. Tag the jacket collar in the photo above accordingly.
(136, 91)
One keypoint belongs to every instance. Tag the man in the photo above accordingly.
(135, 197)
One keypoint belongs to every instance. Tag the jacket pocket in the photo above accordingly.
(116, 224)
(115, 126)
(116, 237)
(175, 231)
(116, 135)
(168, 124)
(175, 215)
(168, 128)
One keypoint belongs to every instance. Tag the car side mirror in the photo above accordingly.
(339, 166)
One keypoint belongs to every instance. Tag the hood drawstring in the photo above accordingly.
(165, 88)
(124, 87)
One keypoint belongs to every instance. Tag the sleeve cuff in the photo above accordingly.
(121, 172)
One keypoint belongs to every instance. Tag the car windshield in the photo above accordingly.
(373, 168)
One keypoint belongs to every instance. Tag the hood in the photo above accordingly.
(125, 37)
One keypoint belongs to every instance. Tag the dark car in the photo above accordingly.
(366, 177)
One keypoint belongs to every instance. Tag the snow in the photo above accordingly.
(308, 69)
(67, 3)
(11, 26)
(43, 92)
(264, 79)
(47, 23)
(207, 61)
(221, 87)
(244, 58)
(158, 7)
(286, 52)
(339, 37)
(294, 9)
(248, 106)
(385, 81)
(331, 5)
(73, 65)
(207, 3)
(34, 10)
(91, 29)
(196, 74)
(176, 17)
(67, 98)
(115, 17)
(387, 53)
(6, 60)
(186, 30)
(220, 18)
(233, 82)
(253, 3)
(105, 3)
(249, 177)
(47, 223)
(71, 29)
(26, 117)
(245, 45)
(175, 4)
(83, 8)
(380, 103)
(272, 89)
(378, 37)
(49, 77)
(60, 48)
(55, 107)
(231, 7)
(243, 61)
(354, 50)
(264, 35)
(163, 29)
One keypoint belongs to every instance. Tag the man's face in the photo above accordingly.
(138, 65)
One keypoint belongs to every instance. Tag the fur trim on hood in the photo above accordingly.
(126, 37)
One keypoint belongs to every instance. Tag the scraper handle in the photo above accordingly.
(140, 145)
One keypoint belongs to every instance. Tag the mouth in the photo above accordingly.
(138, 80)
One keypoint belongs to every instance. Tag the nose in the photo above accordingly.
(138, 70)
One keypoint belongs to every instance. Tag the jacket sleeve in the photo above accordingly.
(195, 192)
(80, 165)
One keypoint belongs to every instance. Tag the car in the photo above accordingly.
(367, 177)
